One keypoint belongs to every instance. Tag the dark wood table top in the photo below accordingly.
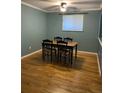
(71, 43)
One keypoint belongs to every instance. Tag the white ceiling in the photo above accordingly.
(73, 6)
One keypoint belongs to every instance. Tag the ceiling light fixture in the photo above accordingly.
(63, 6)
(63, 9)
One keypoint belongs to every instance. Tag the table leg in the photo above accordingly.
(51, 55)
(71, 56)
(75, 52)
(43, 54)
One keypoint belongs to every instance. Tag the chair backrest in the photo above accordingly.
(62, 46)
(58, 38)
(62, 43)
(68, 39)
(47, 43)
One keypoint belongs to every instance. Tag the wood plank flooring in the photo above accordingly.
(38, 76)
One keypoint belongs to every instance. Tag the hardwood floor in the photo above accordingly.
(38, 76)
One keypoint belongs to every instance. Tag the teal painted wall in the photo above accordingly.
(87, 40)
(37, 25)
(33, 29)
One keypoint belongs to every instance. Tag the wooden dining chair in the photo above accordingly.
(47, 50)
(58, 38)
(63, 51)
(67, 39)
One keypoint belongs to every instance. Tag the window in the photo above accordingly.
(72, 23)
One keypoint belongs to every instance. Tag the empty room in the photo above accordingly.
(61, 46)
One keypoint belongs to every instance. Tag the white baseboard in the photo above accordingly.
(41, 50)
(78, 51)
(87, 52)
(97, 59)
(98, 65)
(31, 53)
(100, 41)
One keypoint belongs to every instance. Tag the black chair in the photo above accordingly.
(67, 39)
(47, 50)
(63, 51)
(58, 38)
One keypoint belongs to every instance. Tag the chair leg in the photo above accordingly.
(43, 54)
(57, 57)
(60, 57)
(65, 59)
(51, 56)
(71, 57)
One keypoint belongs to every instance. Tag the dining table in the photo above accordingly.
(72, 45)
